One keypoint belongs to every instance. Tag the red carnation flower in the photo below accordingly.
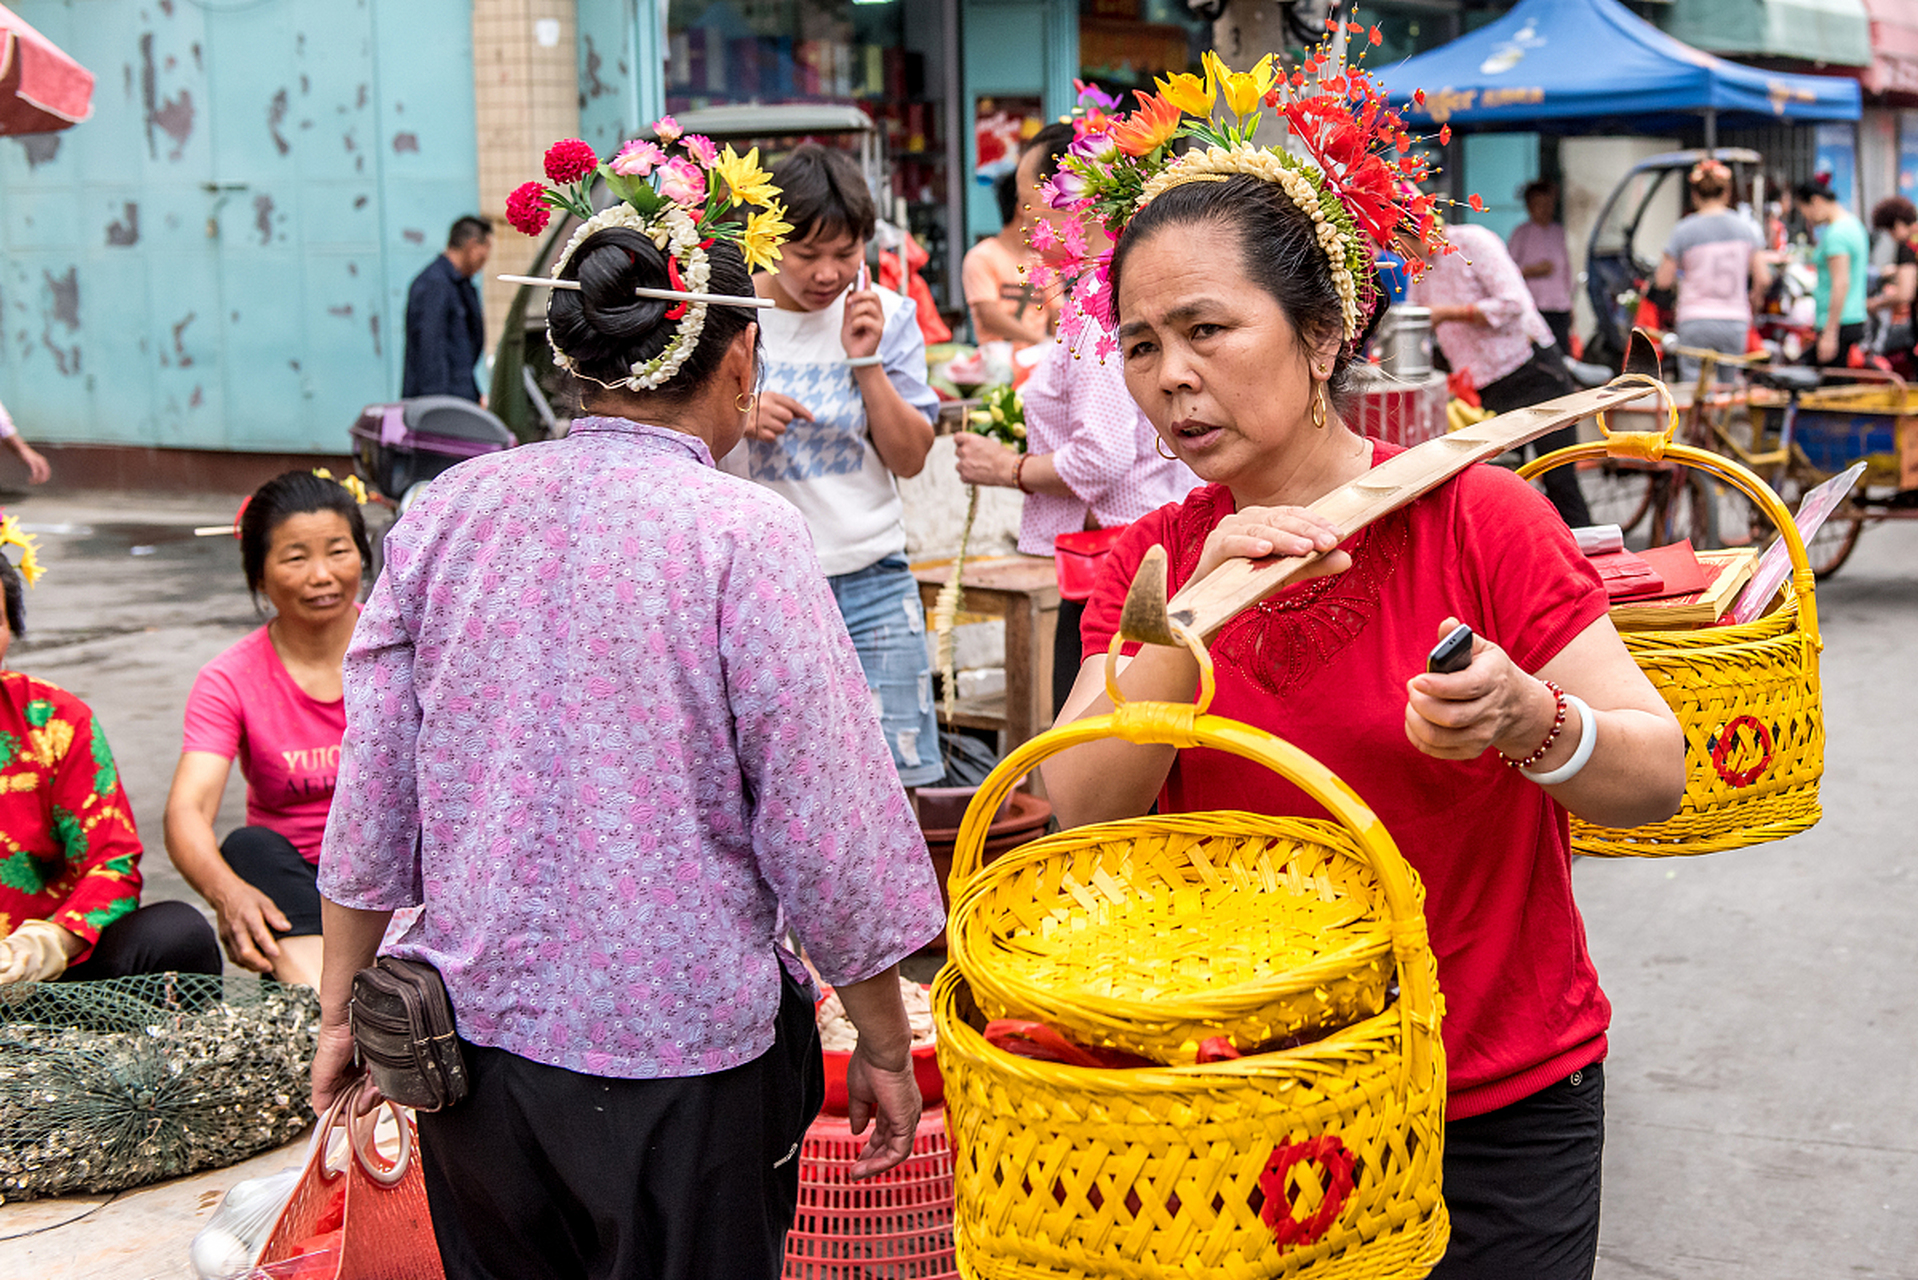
(526, 209)
(1478, 205)
(570, 160)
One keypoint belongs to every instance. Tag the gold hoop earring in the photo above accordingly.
(1158, 442)
(1318, 406)
(751, 402)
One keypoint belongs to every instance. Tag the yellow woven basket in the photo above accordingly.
(1154, 934)
(1322, 1159)
(1747, 696)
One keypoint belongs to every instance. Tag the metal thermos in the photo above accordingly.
(1405, 342)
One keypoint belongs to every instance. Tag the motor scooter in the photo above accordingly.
(399, 447)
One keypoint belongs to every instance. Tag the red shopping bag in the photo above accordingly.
(363, 1220)
(1077, 557)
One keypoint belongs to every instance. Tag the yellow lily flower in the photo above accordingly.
(765, 232)
(749, 183)
(1243, 89)
(1189, 93)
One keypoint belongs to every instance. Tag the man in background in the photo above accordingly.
(1843, 255)
(1538, 246)
(445, 334)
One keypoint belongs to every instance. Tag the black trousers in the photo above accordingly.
(1068, 653)
(161, 937)
(1522, 1185)
(1542, 378)
(268, 861)
(547, 1174)
(1849, 336)
(1560, 323)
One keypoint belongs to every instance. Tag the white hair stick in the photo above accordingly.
(664, 295)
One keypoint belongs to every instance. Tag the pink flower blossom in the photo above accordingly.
(701, 148)
(1042, 237)
(667, 130)
(1075, 239)
(637, 159)
(1107, 345)
(682, 181)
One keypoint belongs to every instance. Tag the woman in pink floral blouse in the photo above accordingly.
(605, 726)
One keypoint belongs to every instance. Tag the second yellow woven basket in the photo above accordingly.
(1747, 696)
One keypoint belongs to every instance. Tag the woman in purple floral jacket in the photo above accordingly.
(605, 726)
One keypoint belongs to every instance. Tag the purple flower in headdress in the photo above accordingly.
(1063, 190)
(1091, 95)
(1094, 148)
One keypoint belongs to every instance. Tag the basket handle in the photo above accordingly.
(1184, 725)
(1655, 446)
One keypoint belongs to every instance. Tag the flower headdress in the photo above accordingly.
(1356, 181)
(1709, 167)
(683, 203)
(12, 535)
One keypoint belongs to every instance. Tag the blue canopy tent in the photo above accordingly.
(1593, 66)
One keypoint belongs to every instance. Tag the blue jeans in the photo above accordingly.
(880, 604)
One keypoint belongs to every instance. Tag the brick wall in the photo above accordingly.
(527, 96)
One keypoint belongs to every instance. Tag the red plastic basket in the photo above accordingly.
(897, 1226)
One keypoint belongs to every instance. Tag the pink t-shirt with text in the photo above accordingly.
(245, 706)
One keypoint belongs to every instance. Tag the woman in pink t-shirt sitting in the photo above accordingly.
(273, 702)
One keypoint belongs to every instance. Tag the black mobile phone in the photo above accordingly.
(1454, 653)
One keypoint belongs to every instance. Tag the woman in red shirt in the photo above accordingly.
(273, 702)
(1238, 354)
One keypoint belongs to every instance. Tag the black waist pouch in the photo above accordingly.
(402, 1026)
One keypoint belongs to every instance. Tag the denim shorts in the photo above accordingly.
(880, 604)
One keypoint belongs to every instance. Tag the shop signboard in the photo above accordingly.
(1908, 154)
(1836, 160)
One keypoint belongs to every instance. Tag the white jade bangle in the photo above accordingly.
(1581, 754)
(864, 362)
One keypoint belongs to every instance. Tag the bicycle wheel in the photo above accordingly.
(1617, 492)
(1835, 540)
(1684, 506)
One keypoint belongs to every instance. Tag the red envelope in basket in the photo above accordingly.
(1078, 556)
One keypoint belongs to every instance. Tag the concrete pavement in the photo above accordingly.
(1761, 1121)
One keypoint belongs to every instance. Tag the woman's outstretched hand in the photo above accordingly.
(1490, 703)
(1257, 533)
(890, 1100)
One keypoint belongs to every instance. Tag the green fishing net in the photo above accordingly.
(114, 1084)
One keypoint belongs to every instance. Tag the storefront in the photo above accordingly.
(895, 59)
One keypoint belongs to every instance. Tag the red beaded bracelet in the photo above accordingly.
(1558, 726)
(1019, 475)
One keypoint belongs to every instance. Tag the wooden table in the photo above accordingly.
(1023, 590)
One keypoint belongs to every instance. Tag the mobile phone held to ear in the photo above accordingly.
(1454, 653)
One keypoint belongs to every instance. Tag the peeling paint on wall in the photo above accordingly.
(63, 308)
(40, 148)
(373, 323)
(413, 235)
(124, 231)
(275, 117)
(181, 356)
(171, 116)
(590, 85)
(405, 142)
(263, 217)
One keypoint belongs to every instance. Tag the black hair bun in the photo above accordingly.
(606, 318)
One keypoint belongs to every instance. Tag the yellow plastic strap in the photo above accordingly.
(1208, 685)
(1641, 444)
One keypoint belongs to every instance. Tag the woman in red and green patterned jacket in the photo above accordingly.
(69, 853)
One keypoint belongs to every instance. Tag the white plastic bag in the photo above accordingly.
(232, 1238)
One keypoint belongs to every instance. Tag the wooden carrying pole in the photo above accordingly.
(1204, 606)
